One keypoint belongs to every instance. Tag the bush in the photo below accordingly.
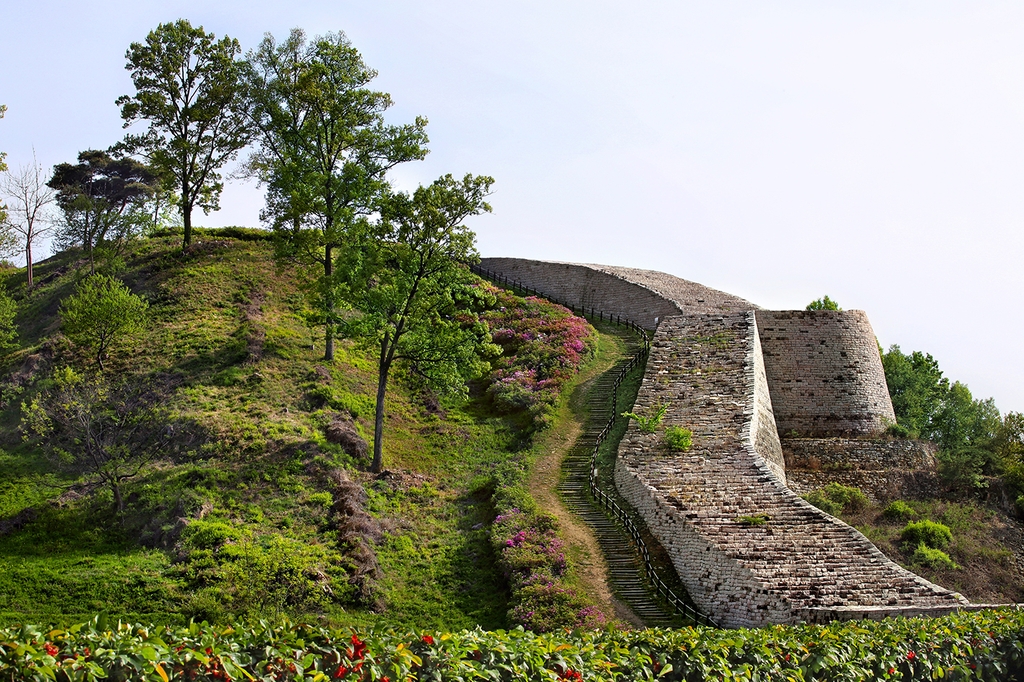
(898, 510)
(679, 438)
(836, 498)
(932, 558)
(897, 431)
(648, 423)
(822, 502)
(932, 534)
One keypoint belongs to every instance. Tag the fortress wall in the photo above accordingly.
(764, 434)
(825, 373)
(703, 504)
(582, 285)
(640, 295)
(883, 469)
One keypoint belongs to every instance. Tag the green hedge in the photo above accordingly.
(978, 646)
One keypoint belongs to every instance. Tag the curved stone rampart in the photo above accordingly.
(825, 373)
(643, 296)
(748, 549)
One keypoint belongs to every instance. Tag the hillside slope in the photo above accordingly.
(263, 505)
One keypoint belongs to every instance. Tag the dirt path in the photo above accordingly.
(553, 445)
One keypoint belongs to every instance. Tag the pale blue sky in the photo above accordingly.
(871, 151)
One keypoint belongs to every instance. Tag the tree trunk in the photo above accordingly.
(329, 304)
(186, 219)
(378, 422)
(118, 501)
(28, 261)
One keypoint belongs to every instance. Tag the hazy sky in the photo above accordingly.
(780, 151)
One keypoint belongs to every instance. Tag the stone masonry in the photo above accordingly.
(642, 295)
(749, 551)
(825, 373)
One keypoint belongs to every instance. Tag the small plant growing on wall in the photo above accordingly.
(649, 423)
(679, 438)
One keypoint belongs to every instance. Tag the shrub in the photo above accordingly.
(932, 558)
(101, 313)
(533, 559)
(898, 510)
(897, 431)
(542, 345)
(823, 303)
(679, 438)
(932, 534)
(836, 498)
(648, 423)
(822, 502)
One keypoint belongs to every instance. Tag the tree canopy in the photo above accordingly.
(324, 152)
(188, 89)
(823, 303)
(411, 289)
(101, 313)
(101, 198)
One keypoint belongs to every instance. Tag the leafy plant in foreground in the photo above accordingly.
(648, 423)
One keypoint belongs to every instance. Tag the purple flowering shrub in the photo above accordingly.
(543, 345)
(533, 559)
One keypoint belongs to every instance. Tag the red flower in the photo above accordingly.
(910, 655)
(427, 639)
(341, 671)
(385, 679)
(892, 670)
(50, 649)
(209, 651)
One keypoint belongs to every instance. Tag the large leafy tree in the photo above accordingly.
(324, 153)
(102, 199)
(187, 88)
(916, 386)
(103, 430)
(29, 198)
(412, 290)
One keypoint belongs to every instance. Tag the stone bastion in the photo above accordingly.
(749, 550)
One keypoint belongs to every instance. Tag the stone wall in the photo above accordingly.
(884, 469)
(825, 373)
(749, 551)
(643, 296)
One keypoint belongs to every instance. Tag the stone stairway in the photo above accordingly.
(625, 566)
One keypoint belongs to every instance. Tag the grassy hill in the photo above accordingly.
(260, 507)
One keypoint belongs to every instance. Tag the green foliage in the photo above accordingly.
(102, 199)
(898, 510)
(932, 558)
(324, 154)
(932, 534)
(413, 292)
(984, 646)
(92, 427)
(679, 438)
(648, 423)
(836, 498)
(8, 328)
(188, 89)
(102, 313)
(754, 520)
(824, 303)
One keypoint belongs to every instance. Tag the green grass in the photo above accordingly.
(257, 461)
(981, 568)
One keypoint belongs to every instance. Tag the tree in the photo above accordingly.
(3, 212)
(324, 153)
(102, 199)
(916, 387)
(29, 196)
(187, 87)
(824, 303)
(408, 284)
(101, 313)
(104, 431)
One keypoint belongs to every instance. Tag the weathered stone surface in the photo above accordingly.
(642, 295)
(825, 372)
(884, 469)
(704, 505)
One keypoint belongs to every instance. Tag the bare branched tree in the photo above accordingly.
(28, 197)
